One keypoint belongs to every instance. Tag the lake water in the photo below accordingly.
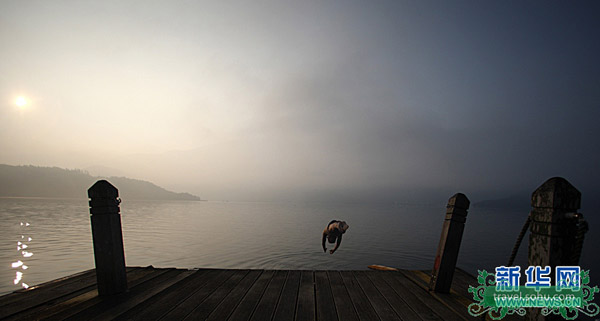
(57, 236)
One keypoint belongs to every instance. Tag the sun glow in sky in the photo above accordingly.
(326, 100)
(21, 101)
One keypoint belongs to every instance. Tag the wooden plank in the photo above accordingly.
(82, 305)
(231, 301)
(359, 299)
(286, 307)
(74, 299)
(305, 310)
(48, 293)
(403, 310)
(50, 309)
(378, 302)
(18, 294)
(422, 280)
(403, 285)
(213, 300)
(462, 281)
(142, 293)
(250, 301)
(343, 303)
(164, 301)
(325, 305)
(90, 308)
(411, 299)
(453, 301)
(268, 302)
(111, 307)
(186, 306)
(21, 301)
(418, 277)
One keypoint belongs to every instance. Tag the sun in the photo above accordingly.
(21, 101)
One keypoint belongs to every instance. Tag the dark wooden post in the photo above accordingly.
(447, 252)
(557, 229)
(108, 238)
(554, 221)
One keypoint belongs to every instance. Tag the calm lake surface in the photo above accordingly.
(57, 236)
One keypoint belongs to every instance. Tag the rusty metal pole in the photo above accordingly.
(108, 238)
(447, 252)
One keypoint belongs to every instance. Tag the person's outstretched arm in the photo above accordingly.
(339, 241)
(323, 241)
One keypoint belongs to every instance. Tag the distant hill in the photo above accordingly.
(34, 181)
(521, 201)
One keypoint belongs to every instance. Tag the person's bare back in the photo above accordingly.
(333, 233)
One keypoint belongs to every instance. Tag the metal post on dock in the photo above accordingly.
(108, 238)
(447, 252)
(557, 230)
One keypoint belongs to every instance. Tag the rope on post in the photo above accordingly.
(519, 240)
(581, 227)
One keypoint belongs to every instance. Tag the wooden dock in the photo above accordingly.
(220, 294)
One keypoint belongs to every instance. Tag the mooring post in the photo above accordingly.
(557, 230)
(447, 252)
(108, 238)
(555, 224)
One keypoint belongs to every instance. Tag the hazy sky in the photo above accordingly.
(306, 99)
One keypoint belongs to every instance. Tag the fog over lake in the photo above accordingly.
(306, 101)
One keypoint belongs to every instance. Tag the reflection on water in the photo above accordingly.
(37, 238)
(249, 235)
(18, 278)
(21, 246)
